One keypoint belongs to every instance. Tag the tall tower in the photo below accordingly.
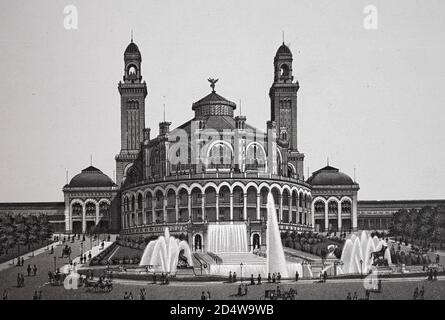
(133, 92)
(283, 107)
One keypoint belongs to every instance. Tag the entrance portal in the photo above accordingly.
(198, 242)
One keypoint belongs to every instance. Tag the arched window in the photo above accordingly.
(77, 209)
(132, 71)
(140, 201)
(346, 206)
(220, 156)
(255, 157)
(104, 208)
(319, 207)
(284, 70)
(332, 207)
(90, 209)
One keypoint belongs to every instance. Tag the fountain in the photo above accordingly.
(275, 254)
(229, 242)
(360, 247)
(163, 254)
(227, 238)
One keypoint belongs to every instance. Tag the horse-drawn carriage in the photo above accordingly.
(99, 286)
(280, 295)
(66, 251)
(56, 278)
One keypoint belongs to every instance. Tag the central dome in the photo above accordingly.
(213, 105)
(91, 177)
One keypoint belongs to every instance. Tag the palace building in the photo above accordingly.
(213, 169)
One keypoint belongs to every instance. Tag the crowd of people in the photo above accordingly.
(165, 278)
(37, 295)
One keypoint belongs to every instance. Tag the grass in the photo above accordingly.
(14, 252)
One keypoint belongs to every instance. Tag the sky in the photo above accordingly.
(369, 99)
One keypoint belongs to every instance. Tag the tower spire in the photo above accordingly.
(283, 35)
(131, 35)
(164, 107)
(91, 159)
(327, 160)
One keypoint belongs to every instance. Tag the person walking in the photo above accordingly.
(422, 293)
(34, 270)
(22, 261)
(35, 296)
(40, 295)
(130, 296)
(297, 275)
(279, 277)
(416, 293)
(208, 295)
(234, 277)
(269, 278)
(252, 280)
(19, 280)
(349, 297)
(142, 294)
(355, 297)
(29, 270)
(230, 276)
(203, 296)
(259, 279)
(5, 295)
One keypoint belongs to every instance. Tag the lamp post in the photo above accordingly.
(241, 265)
(361, 269)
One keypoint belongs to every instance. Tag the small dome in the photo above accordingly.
(132, 48)
(283, 50)
(329, 176)
(91, 177)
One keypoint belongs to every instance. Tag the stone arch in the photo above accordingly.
(238, 184)
(211, 185)
(223, 184)
(251, 184)
(196, 185)
(171, 187)
(159, 188)
(292, 169)
(183, 186)
(126, 169)
(148, 190)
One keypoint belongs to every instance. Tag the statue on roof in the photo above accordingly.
(212, 83)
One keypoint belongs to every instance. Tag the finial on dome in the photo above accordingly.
(327, 161)
(212, 83)
(283, 36)
(131, 35)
